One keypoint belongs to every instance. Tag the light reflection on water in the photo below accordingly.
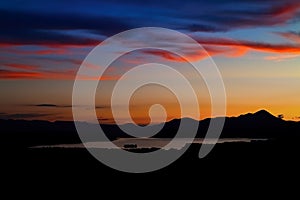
(147, 143)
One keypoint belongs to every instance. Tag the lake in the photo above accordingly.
(163, 143)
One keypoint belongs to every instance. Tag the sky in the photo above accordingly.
(254, 43)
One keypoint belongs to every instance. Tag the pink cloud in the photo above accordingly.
(22, 66)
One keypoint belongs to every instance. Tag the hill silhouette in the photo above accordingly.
(240, 161)
(261, 124)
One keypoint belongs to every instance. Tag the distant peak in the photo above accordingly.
(185, 119)
(262, 112)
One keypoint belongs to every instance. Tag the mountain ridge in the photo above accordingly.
(260, 124)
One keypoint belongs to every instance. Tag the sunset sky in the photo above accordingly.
(254, 43)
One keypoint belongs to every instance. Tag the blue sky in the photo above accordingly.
(252, 41)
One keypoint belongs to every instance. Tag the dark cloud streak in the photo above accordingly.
(37, 27)
(22, 115)
(53, 105)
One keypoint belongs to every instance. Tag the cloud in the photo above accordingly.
(22, 115)
(288, 9)
(58, 34)
(237, 48)
(103, 119)
(52, 75)
(87, 24)
(46, 105)
(279, 58)
(55, 29)
(60, 50)
(102, 107)
(296, 118)
(64, 106)
(9, 74)
(165, 54)
(293, 36)
(214, 46)
(37, 37)
(189, 54)
(22, 66)
(59, 75)
(266, 47)
(228, 48)
(220, 16)
(52, 105)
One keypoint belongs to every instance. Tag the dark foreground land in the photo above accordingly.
(260, 161)
(270, 166)
(265, 169)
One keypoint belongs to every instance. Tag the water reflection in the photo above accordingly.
(146, 143)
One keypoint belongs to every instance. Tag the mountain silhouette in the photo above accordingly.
(260, 116)
(261, 124)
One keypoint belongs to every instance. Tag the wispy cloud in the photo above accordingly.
(296, 118)
(60, 34)
(22, 66)
(22, 115)
(52, 105)
(228, 47)
(250, 45)
(85, 24)
(102, 107)
(49, 105)
(10, 74)
(279, 58)
(46, 30)
(18, 74)
(104, 119)
(52, 75)
(293, 36)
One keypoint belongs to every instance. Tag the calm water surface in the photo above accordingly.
(163, 143)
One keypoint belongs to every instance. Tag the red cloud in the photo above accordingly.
(50, 75)
(10, 74)
(272, 48)
(213, 46)
(165, 54)
(7, 74)
(191, 55)
(56, 50)
(289, 10)
(280, 57)
(22, 66)
(295, 37)
(51, 51)
(52, 43)
(225, 47)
